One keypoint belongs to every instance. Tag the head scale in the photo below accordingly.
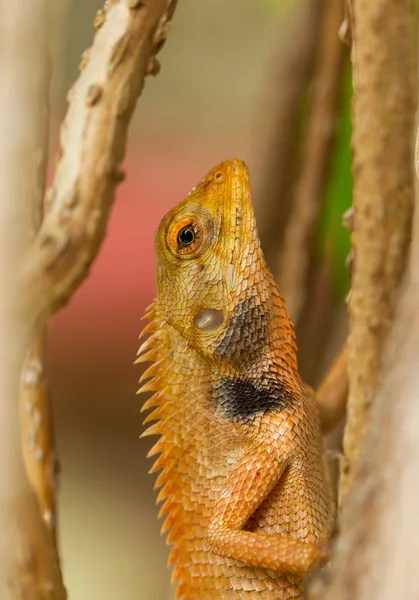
(208, 248)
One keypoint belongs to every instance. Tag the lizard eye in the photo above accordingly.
(186, 236)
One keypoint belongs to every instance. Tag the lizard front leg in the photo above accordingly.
(246, 488)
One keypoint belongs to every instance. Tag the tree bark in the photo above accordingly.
(378, 550)
(383, 57)
(93, 140)
(37, 278)
(28, 558)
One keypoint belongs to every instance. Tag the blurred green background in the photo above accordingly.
(204, 107)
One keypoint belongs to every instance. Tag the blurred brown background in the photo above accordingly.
(201, 109)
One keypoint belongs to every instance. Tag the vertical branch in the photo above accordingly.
(34, 402)
(297, 167)
(295, 259)
(130, 34)
(383, 57)
(294, 64)
(377, 553)
(28, 559)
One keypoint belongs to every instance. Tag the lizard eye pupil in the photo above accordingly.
(186, 236)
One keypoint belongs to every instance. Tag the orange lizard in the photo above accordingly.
(240, 447)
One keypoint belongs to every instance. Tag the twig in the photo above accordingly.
(333, 393)
(28, 558)
(316, 322)
(93, 139)
(295, 258)
(294, 61)
(345, 30)
(383, 57)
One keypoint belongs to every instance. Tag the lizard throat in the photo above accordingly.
(242, 399)
(246, 334)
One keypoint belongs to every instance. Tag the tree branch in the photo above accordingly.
(332, 394)
(378, 550)
(28, 557)
(383, 57)
(37, 427)
(93, 139)
(297, 252)
(293, 67)
(92, 148)
(36, 420)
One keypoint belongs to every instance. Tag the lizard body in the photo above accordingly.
(240, 454)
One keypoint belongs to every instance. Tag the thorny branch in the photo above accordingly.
(383, 118)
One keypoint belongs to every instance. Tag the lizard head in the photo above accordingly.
(209, 260)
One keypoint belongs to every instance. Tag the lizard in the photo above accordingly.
(239, 452)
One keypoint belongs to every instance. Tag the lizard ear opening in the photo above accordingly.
(208, 319)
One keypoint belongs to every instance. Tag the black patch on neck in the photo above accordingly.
(242, 399)
(246, 334)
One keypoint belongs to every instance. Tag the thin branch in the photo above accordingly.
(28, 557)
(290, 77)
(93, 140)
(316, 321)
(332, 394)
(295, 258)
(383, 57)
(37, 427)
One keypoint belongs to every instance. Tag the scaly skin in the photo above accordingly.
(240, 445)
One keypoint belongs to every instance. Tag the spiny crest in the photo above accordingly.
(182, 588)
(173, 556)
(153, 350)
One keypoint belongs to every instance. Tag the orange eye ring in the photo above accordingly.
(186, 237)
